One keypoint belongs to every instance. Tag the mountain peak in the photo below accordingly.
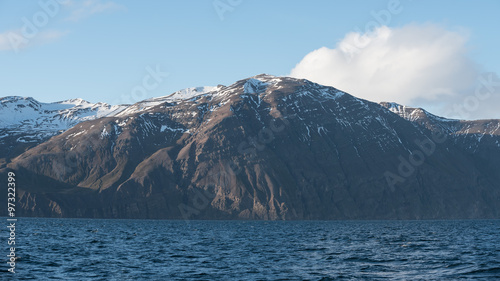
(188, 93)
(13, 99)
(76, 102)
(264, 76)
(412, 113)
(254, 86)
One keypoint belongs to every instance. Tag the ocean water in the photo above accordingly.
(85, 249)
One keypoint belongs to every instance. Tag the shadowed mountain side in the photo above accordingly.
(263, 148)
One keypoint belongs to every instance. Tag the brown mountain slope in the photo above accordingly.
(262, 148)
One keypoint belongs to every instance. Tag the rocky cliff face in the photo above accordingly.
(478, 138)
(263, 148)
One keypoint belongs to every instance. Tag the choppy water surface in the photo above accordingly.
(81, 249)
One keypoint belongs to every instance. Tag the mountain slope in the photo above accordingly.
(478, 138)
(25, 122)
(263, 148)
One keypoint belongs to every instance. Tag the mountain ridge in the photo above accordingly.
(264, 147)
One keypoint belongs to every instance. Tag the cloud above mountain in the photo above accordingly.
(418, 65)
(84, 9)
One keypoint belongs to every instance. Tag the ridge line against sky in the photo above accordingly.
(434, 55)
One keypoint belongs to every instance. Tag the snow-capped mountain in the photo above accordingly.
(177, 96)
(26, 120)
(32, 121)
(264, 147)
(469, 133)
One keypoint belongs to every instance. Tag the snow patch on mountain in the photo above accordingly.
(163, 128)
(254, 86)
(178, 96)
(29, 114)
(191, 92)
(31, 120)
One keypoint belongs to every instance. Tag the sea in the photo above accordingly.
(101, 249)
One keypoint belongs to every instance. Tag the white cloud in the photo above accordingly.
(15, 40)
(84, 9)
(417, 65)
(5, 42)
(32, 33)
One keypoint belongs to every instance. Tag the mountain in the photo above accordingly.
(26, 122)
(264, 147)
(479, 137)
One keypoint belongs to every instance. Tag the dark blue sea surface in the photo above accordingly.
(87, 249)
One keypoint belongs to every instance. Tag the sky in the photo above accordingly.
(439, 55)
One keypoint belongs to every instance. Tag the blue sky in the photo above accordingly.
(100, 50)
